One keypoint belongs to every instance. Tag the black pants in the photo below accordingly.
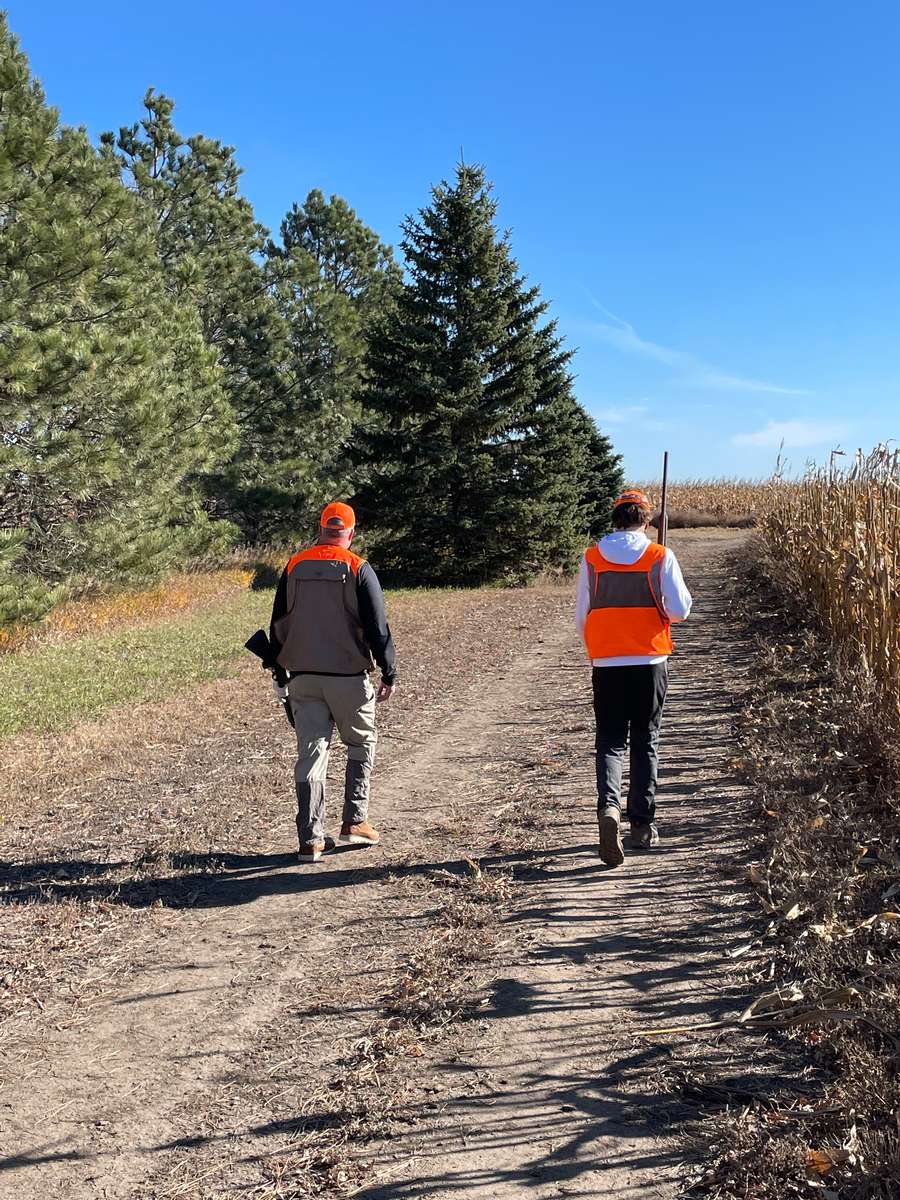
(628, 704)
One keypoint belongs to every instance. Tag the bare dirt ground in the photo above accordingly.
(190, 1013)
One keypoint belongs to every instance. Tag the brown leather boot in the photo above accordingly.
(611, 838)
(313, 851)
(360, 835)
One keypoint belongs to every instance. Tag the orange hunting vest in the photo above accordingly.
(626, 617)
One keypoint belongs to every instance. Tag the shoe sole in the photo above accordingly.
(355, 839)
(611, 851)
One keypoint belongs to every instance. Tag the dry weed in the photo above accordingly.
(813, 743)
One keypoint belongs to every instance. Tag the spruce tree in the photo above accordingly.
(331, 276)
(472, 436)
(602, 479)
(109, 400)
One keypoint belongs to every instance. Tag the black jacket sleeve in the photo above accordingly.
(279, 608)
(374, 621)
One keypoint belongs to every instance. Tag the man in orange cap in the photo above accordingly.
(630, 592)
(328, 630)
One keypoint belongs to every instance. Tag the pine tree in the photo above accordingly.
(285, 321)
(332, 276)
(109, 399)
(472, 435)
(213, 252)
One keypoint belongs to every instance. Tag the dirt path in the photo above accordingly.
(571, 1099)
(174, 1085)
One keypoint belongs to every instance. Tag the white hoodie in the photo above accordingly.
(626, 546)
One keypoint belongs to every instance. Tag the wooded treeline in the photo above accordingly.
(174, 380)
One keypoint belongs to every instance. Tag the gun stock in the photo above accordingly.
(260, 645)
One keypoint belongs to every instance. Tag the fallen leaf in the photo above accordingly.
(773, 1002)
(742, 949)
(882, 916)
(823, 1161)
(841, 996)
(821, 931)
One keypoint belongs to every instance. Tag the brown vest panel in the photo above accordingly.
(321, 632)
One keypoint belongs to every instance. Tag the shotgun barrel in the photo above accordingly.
(663, 529)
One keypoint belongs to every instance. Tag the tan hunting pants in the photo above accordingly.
(320, 702)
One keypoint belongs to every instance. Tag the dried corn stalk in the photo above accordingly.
(836, 535)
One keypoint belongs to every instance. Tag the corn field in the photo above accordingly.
(726, 501)
(837, 533)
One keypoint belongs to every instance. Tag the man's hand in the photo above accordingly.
(280, 690)
(385, 691)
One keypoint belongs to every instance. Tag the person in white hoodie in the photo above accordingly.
(630, 592)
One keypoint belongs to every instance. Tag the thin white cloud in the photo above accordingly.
(622, 415)
(793, 434)
(692, 371)
(640, 416)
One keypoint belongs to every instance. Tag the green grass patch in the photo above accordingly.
(51, 687)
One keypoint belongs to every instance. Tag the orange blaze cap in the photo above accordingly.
(633, 497)
(338, 516)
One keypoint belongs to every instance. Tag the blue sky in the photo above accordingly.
(707, 193)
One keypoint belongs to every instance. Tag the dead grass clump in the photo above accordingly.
(440, 983)
(49, 942)
(744, 1161)
(262, 563)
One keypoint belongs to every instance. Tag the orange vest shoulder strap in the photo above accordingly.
(327, 552)
(593, 556)
(654, 553)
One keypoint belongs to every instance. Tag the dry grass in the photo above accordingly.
(438, 985)
(180, 594)
(82, 947)
(827, 876)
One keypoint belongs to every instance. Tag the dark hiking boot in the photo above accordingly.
(643, 837)
(313, 851)
(611, 851)
(361, 834)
